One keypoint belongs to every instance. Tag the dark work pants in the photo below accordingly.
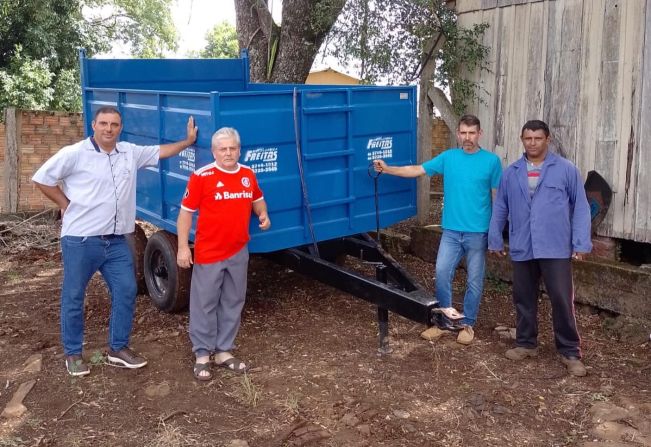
(557, 275)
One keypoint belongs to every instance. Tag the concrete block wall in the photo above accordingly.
(617, 287)
(40, 134)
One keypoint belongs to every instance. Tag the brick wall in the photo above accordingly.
(440, 137)
(440, 142)
(41, 134)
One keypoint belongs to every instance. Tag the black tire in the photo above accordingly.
(137, 242)
(167, 283)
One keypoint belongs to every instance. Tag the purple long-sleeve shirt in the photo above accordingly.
(552, 224)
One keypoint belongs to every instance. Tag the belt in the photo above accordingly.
(110, 236)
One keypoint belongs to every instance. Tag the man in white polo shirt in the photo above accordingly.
(93, 182)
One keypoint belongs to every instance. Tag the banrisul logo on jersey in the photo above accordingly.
(379, 147)
(262, 159)
(234, 195)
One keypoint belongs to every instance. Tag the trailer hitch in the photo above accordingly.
(392, 289)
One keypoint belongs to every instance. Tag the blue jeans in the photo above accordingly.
(82, 257)
(455, 245)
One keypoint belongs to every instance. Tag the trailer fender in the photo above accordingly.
(137, 242)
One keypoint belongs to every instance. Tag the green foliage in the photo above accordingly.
(67, 91)
(44, 29)
(146, 26)
(462, 54)
(222, 42)
(271, 59)
(30, 84)
(387, 40)
(39, 42)
(25, 83)
(324, 12)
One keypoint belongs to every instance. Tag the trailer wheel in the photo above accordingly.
(137, 242)
(167, 283)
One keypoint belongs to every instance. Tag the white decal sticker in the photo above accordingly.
(187, 159)
(379, 148)
(262, 159)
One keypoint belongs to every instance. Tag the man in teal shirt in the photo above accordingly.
(470, 177)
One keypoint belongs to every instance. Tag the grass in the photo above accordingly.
(12, 441)
(290, 405)
(169, 435)
(250, 393)
(497, 285)
(598, 397)
(97, 358)
(13, 276)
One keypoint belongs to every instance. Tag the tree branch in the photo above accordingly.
(264, 17)
(432, 45)
(444, 106)
(113, 17)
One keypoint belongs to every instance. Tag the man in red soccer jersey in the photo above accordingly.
(224, 193)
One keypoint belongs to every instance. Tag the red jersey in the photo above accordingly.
(224, 201)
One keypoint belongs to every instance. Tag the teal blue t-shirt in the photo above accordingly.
(467, 183)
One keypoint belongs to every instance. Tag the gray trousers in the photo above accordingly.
(217, 294)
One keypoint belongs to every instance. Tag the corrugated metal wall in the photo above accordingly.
(580, 66)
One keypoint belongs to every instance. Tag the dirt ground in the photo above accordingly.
(317, 379)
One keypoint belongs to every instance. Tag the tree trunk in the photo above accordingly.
(11, 173)
(250, 23)
(425, 125)
(290, 48)
(444, 107)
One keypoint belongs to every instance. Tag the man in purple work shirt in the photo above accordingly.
(543, 198)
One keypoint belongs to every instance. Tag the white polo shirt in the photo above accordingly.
(101, 186)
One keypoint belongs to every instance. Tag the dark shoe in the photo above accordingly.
(199, 368)
(126, 358)
(233, 364)
(521, 353)
(76, 366)
(574, 366)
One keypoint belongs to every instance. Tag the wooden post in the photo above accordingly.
(12, 126)
(424, 153)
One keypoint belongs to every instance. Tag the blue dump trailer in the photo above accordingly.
(311, 148)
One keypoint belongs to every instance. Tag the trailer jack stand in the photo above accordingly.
(383, 323)
(383, 314)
